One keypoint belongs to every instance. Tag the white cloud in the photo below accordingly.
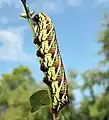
(74, 3)
(12, 45)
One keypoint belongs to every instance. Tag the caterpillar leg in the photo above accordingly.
(36, 41)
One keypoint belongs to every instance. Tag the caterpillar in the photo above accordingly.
(50, 60)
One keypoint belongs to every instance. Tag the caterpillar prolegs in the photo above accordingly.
(50, 60)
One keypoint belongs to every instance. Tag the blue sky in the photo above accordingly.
(77, 23)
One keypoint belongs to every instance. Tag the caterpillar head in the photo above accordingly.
(38, 19)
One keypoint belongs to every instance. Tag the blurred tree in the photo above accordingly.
(96, 106)
(104, 40)
(16, 88)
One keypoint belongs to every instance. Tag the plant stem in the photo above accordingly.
(55, 115)
(49, 94)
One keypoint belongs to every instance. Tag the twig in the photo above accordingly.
(55, 115)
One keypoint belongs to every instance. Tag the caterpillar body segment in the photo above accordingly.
(50, 60)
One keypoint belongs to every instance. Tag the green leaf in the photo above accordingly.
(38, 99)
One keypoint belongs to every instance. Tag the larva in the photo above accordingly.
(50, 60)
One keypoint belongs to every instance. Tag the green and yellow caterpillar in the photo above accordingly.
(51, 63)
(50, 60)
